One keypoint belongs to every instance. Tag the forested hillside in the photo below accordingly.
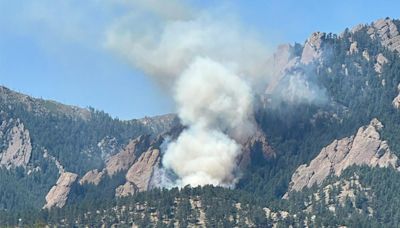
(358, 76)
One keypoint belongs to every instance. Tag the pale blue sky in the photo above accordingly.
(52, 48)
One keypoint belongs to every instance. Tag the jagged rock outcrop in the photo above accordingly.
(125, 190)
(125, 158)
(380, 61)
(17, 148)
(387, 32)
(121, 161)
(312, 48)
(364, 148)
(92, 177)
(58, 194)
(353, 48)
(140, 174)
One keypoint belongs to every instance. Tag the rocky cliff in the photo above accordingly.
(16, 148)
(139, 175)
(58, 194)
(364, 148)
(121, 161)
(313, 48)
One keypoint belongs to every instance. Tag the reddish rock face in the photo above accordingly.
(363, 148)
(139, 176)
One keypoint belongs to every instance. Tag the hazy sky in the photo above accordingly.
(55, 49)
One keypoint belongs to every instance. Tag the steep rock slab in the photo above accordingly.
(121, 161)
(58, 194)
(365, 148)
(125, 158)
(139, 175)
(141, 172)
(19, 148)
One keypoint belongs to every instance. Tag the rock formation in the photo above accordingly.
(121, 161)
(364, 148)
(92, 177)
(58, 194)
(141, 172)
(312, 48)
(18, 147)
(125, 190)
(126, 157)
(139, 175)
(380, 61)
(387, 32)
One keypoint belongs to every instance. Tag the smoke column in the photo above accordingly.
(211, 66)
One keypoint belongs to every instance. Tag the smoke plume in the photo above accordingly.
(212, 67)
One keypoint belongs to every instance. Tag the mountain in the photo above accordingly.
(325, 152)
(53, 153)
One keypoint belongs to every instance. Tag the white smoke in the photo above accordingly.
(210, 65)
(202, 156)
(211, 96)
(163, 48)
(212, 101)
